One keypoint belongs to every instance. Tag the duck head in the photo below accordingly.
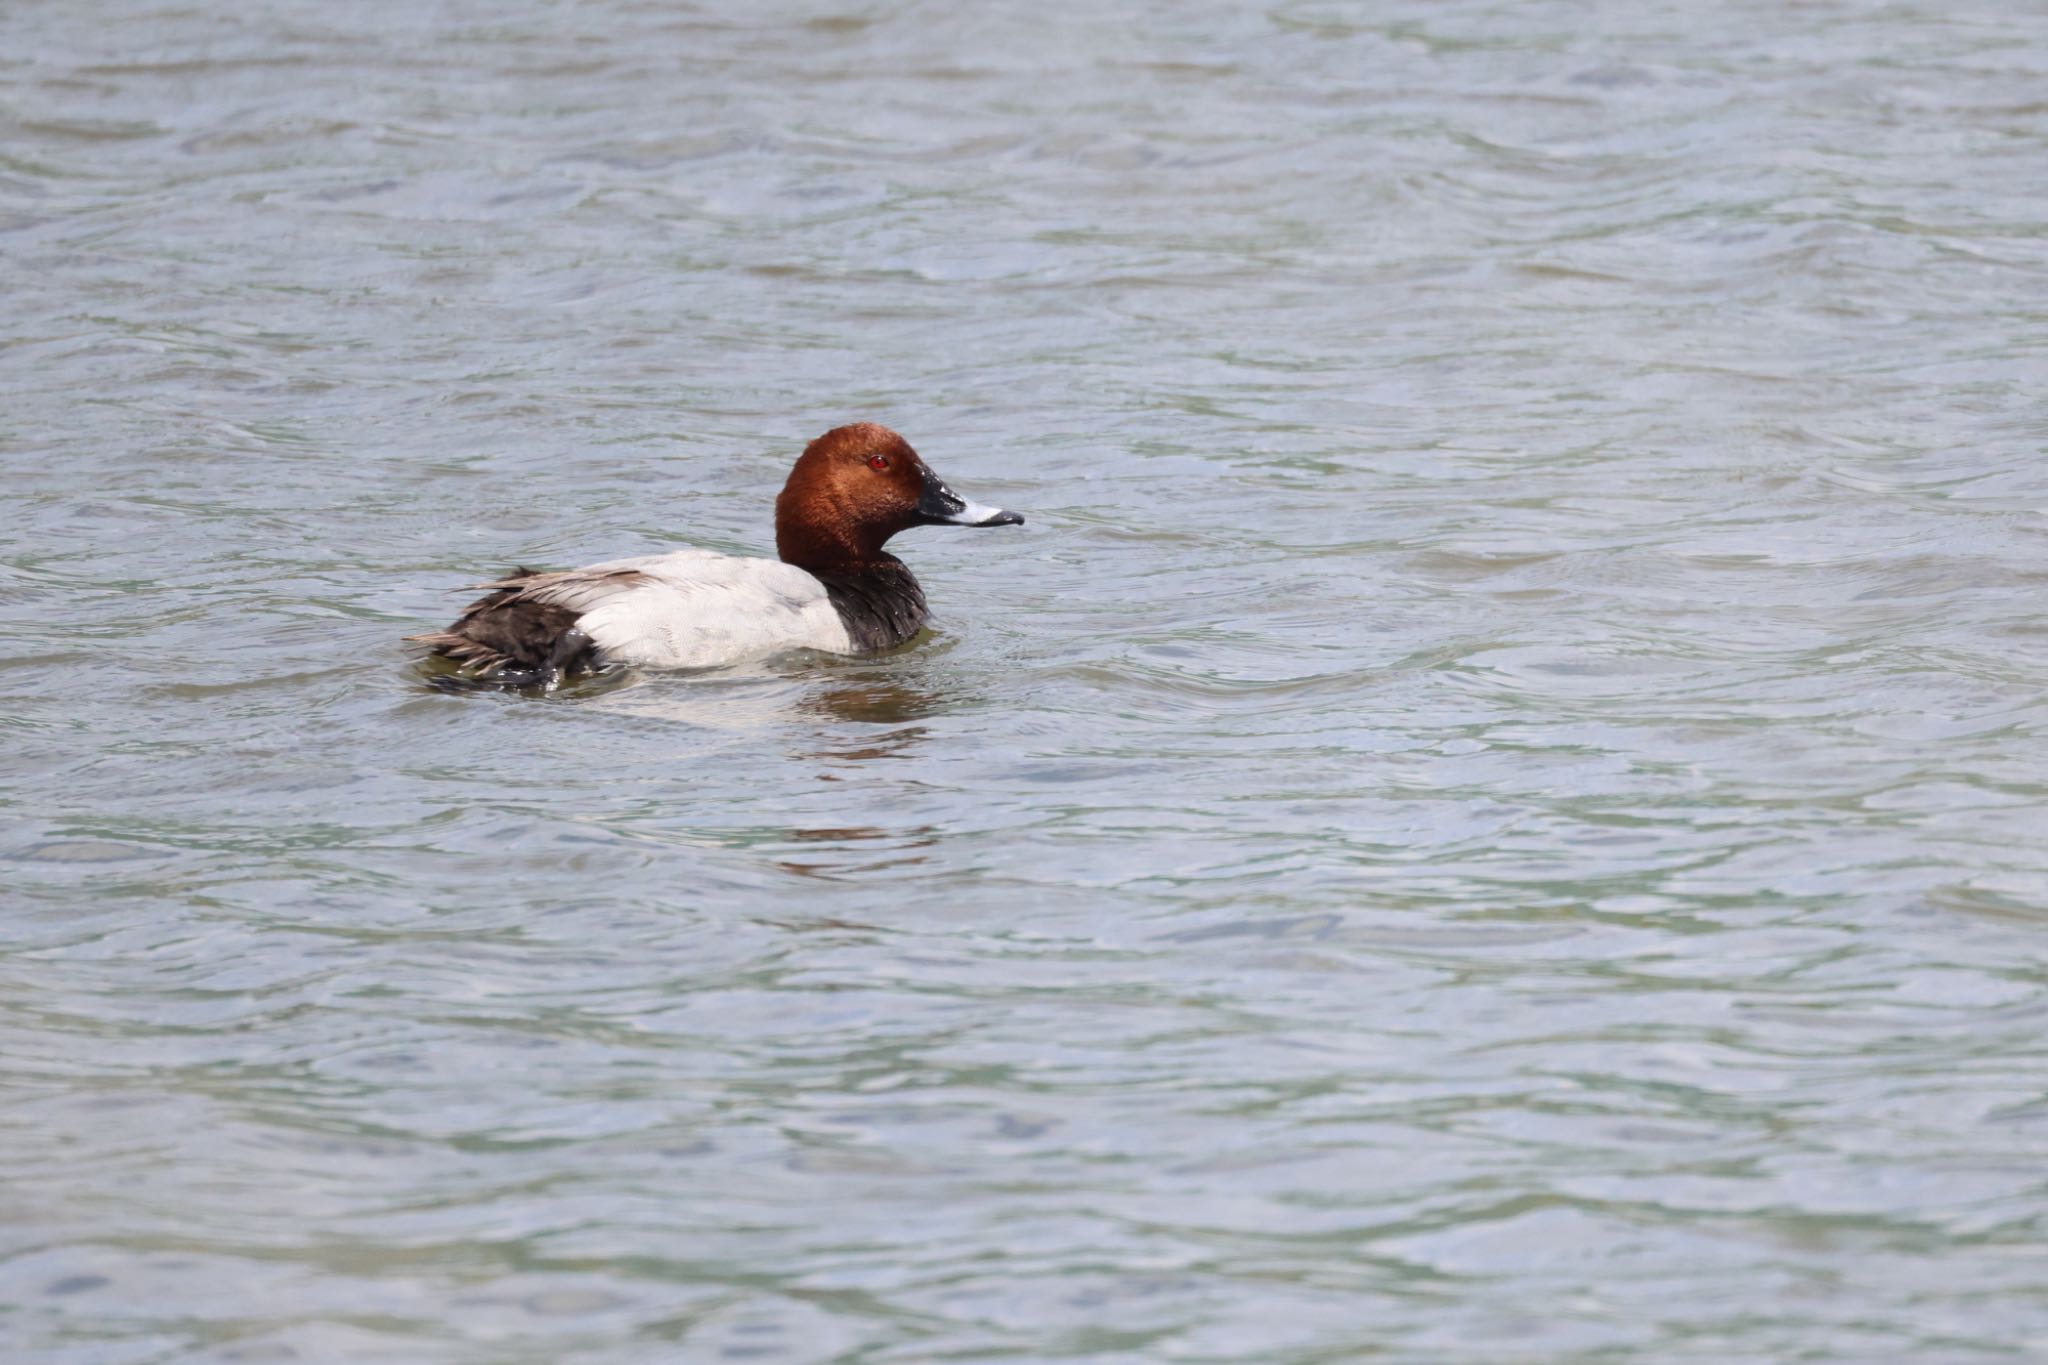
(856, 486)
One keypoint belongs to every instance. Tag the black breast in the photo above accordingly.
(881, 604)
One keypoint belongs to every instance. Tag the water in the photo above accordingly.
(1495, 811)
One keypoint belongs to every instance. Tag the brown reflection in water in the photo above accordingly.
(833, 836)
(865, 718)
(875, 701)
(871, 702)
(900, 851)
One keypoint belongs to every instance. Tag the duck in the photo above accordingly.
(832, 587)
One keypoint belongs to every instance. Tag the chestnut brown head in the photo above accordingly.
(856, 486)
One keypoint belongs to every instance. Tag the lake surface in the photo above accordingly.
(1496, 811)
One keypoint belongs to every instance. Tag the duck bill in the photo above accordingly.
(939, 505)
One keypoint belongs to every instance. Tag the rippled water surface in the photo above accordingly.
(1497, 810)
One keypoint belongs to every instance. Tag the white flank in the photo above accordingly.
(699, 609)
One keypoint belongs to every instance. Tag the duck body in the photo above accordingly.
(834, 589)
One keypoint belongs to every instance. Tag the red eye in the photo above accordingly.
(878, 462)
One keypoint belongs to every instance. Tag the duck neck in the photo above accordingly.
(824, 546)
(879, 602)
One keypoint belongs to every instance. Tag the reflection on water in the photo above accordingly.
(879, 700)
(858, 851)
(839, 718)
(869, 720)
(1494, 811)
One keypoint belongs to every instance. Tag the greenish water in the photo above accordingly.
(1496, 811)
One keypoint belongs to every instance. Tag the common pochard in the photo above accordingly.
(834, 589)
